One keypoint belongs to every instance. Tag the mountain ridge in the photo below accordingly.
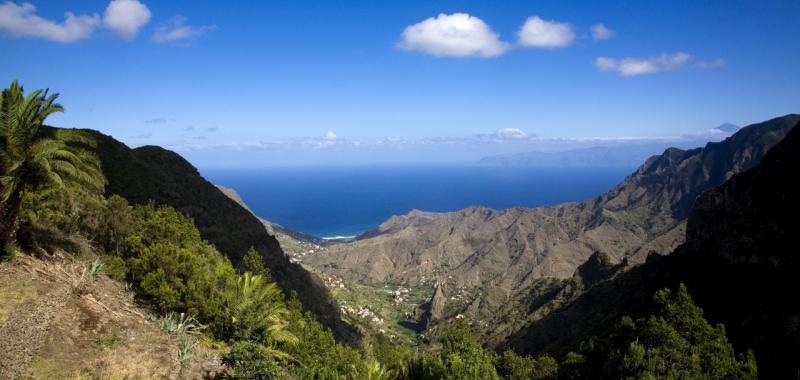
(737, 261)
(502, 253)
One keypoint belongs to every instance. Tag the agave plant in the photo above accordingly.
(186, 350)
(180, 325)
(30, 159)
(94, 269)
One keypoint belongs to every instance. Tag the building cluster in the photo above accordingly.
(333, 282)
(399, 295)
(305, 250)
(363, 312)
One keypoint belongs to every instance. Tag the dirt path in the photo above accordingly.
(26, 324)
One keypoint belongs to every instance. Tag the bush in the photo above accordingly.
(9, 251)
(514, 367)
(463, 356)
(673, 341)
(115, 267)
(250, 360)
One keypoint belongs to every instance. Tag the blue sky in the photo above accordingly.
(260, 83)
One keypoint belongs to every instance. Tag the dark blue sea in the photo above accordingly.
(346, 201)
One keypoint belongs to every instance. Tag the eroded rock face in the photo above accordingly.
(504, 252)
(739, 263)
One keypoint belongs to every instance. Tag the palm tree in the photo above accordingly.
(30, 160)
(256, 311)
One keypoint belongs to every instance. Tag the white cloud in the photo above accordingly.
(455, 35)
(511, 134)
(330, 136)
(712, 64)
(125, 17)
(22, 21)
(177, 29)
(601, 32)
(637, 66)
(545, 33)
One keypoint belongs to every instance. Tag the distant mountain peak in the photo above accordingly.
(726, 128)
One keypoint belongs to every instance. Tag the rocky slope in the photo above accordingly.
(503, 254)
(54, 324)
(739, 263)
(151, 173)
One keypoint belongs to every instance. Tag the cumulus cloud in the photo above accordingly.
(330, 136)
(454, 35)
(177, 29)
(601, 32)
(537, 32)
(126, 17)
(22, 21)
(712, 64)
(637, 66)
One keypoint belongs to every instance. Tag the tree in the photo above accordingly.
(30, 160)
(674, 341)
(514, 367)
(463, 356)
(256, 311)
(253, 263)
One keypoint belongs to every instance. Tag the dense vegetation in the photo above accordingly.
(60, 205)
(153, 174)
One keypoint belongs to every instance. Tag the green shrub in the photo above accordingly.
(253, 263)
(9, 251)
(250, 360)
(110, 343)
(511, 366)
(673, 341)
(463, 356)
(115, 267)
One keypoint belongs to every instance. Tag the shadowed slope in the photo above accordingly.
(153, 173)
(739, 263)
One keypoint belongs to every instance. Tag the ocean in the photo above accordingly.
(346, 201)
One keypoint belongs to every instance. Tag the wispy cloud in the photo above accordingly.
(712, 64)
(454, 35)
(638, 66)
(158, 120)
(126, 17)
(212, 129)
(601, 32)
(537, 32)
(22, 21)
(177, 29)
(144, 136)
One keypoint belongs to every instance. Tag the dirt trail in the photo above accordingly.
(26, 324)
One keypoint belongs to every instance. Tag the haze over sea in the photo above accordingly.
(348, 200)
